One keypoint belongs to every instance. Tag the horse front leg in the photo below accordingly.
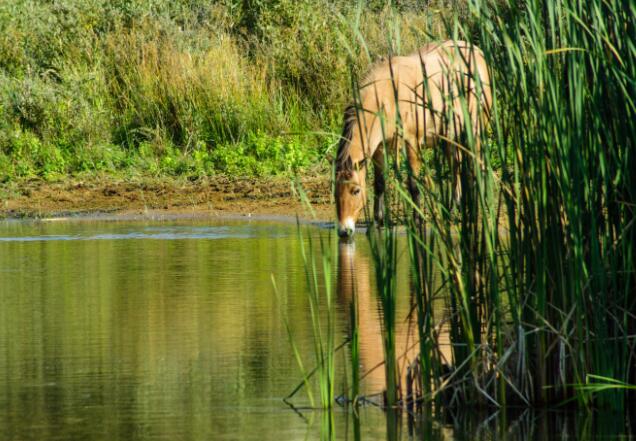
(414, 173)
(379, 186)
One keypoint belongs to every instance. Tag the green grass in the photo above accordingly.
(319, 274)
(537, 259)
(97, 85)
(385, 256)
(570, 190)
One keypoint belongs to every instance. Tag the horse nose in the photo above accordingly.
(346, 228)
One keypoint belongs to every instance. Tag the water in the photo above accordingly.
(171, 330)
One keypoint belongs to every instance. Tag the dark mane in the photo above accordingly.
(343, 159)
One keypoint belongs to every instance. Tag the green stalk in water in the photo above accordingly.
(320, 296)
(355, 350)
(384, 251)
(319, 282)
(536, 258)
(347, 290)
(537, 255)
(565, 125)
(383, 243)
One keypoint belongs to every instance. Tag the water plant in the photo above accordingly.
(319, 284)
(537, 255)
(536, 258)
(384, 251)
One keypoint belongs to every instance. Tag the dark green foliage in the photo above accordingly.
(538, 256)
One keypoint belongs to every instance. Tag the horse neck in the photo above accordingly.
(366, 138)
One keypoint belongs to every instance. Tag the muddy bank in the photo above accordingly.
(216, 196)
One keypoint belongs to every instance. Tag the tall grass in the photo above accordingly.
(384, 252)
(180, 87)
(538, 255)
(535, 261)
(568, 189)
(321, 303)
(347, 288)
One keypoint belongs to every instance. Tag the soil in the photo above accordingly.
(210, 196)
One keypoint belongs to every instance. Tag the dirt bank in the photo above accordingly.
(205, 196)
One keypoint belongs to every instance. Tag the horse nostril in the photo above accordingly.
(346, 228)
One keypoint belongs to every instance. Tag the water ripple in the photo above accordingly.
(152, 233)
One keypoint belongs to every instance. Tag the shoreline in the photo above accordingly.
(118, 198)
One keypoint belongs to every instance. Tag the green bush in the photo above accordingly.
(200, 88)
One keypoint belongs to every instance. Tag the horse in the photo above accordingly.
(408, 98)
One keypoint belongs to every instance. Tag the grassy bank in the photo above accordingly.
(239, 87)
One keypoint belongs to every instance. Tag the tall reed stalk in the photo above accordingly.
(537, 256)
(319, 282)
(384, 252)
(564, 126)
(320, 297)
(535, 260)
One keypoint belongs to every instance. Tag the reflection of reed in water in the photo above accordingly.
(354, 284)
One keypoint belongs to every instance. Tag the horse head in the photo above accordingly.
(350, 195)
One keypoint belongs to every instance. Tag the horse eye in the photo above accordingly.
(355, 191)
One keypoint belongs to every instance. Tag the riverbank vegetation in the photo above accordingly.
(539, 267)
(235, 87)
(535, 261)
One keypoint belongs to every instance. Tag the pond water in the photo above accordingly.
(148, 330)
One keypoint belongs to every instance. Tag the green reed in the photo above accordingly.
(384, 253)
(321, 297)
(348, 294)
(565, 123)
(354, 347)
(536, 259)
(318, 265)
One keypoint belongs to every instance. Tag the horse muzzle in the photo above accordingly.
(346, 228)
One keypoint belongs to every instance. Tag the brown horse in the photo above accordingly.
(408, 99)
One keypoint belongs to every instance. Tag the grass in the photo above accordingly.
(319, 283)
(569, 200)
(97, 85)
(384, 252)
(536, 260)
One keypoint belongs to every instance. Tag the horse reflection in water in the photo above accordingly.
(354, 282)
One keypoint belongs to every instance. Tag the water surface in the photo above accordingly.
(139, 330)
